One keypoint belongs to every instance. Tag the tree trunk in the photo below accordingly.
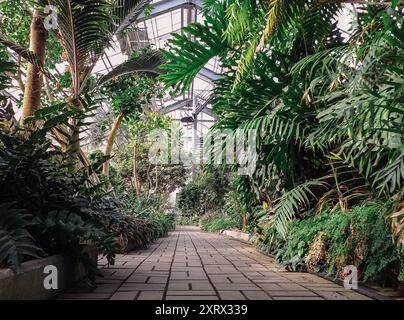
(32, 93)
(110, 142)
(245, 220)
(136, 181)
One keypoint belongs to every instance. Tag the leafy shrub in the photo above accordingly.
(215, 224)
(191, 200)
(330, 241)
(36, 183)
(204, 194)
(62, 210)
(15, 240)
(149, 212)
(188, 220)
(46, 209)
(234, 209)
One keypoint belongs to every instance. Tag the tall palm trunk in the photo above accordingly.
(110, 142)
(32, 93)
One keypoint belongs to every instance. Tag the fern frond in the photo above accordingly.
(293, 202)
(15, 241)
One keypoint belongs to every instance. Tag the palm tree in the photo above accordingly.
(32, 93)
(147, 64)
(86, 27)
(314, 108)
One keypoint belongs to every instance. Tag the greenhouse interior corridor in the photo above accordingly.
(244, 151)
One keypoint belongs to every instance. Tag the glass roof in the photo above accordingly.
(168, 16)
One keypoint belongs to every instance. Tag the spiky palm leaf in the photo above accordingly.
(282, 16)
(148, 63)
(87, 27)
(83, 28)
(313, 20)
(6, 67)
(239, 15)
(292, 202)
(365, 116)
(26, 54)
(126, 12)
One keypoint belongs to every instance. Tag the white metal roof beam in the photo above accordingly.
(208, 75)
(209, 112)
(165, 6)
(175, 106)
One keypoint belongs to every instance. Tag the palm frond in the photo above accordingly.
(315, 17)
(83, 28)
(147, 63)
(279, 11)
(390, 178)
(126, 13)
(293, 202)
(26, 54)
(247, 56)
(186, 56)
(239, 15)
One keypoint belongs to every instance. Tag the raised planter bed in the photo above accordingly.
(362, 288)
(29, 284)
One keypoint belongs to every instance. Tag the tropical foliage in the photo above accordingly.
(325, 100)
(203, 194)
(53, 196)
(148, 173)
(326, 103)
(327, 243)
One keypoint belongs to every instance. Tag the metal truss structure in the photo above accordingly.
(192, 109)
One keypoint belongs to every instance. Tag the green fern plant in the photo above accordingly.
(16, 243)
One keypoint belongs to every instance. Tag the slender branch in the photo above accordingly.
(19, 76)
(48, 90)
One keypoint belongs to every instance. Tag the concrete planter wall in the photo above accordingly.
(29, 284)
(129, 245)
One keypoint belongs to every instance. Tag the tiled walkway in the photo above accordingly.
(190, 264)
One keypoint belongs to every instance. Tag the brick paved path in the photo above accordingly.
(190, 264)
